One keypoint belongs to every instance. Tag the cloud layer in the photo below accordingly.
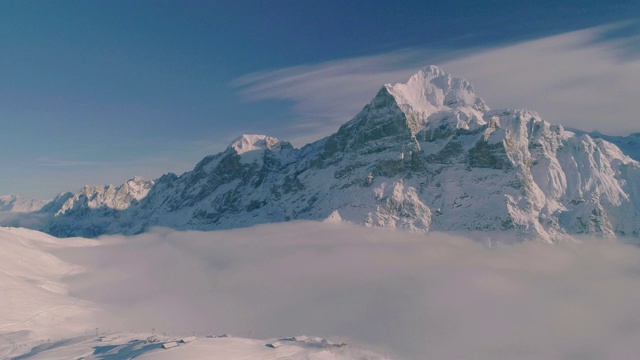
(439, 296)
(584, 79)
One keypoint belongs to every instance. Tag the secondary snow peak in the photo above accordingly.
(253, 142)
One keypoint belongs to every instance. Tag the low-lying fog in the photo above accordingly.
(435, 296)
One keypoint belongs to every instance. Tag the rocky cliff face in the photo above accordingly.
(428, 154)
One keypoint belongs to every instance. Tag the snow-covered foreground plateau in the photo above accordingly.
(400, 295)
(127, 345)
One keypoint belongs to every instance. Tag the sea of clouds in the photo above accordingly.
(434, 296)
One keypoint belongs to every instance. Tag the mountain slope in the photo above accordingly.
(428, 154)
(34, 296)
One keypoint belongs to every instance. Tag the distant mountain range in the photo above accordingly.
(630, 144)
(425, 155)
(13, 203)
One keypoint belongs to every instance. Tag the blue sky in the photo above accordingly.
(96, 92)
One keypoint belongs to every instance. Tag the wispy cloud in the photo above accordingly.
(55, 162)
(625, 37)
(438, 296)
(578, 79)
(178, 159)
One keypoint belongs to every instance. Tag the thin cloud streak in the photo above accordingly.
(178, 160)
(51, 162)
(576, 79)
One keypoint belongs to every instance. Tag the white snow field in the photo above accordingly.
(148, 347)
(34, 302)
(399, 295)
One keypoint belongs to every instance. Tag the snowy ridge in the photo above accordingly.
(630, 144)
(425, 155)
(107, 196)
(14, 203)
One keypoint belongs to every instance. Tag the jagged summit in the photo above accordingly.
(431, 90)
(430, 103)
(103, 196)
(253, 148)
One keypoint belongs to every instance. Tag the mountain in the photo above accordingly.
(425, 155)
(96, 206)
(14, 203)
(630, 144)
(101, 197)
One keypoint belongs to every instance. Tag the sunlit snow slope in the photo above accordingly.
(34, 301)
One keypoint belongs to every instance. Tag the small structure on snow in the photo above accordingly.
(152, 339)
(300, 338)
(328, 343)
(188, 339)
(169, 345)
(275, 344)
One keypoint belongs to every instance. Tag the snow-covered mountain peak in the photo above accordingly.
(251, 142)
(253, 148)
(431, 90)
